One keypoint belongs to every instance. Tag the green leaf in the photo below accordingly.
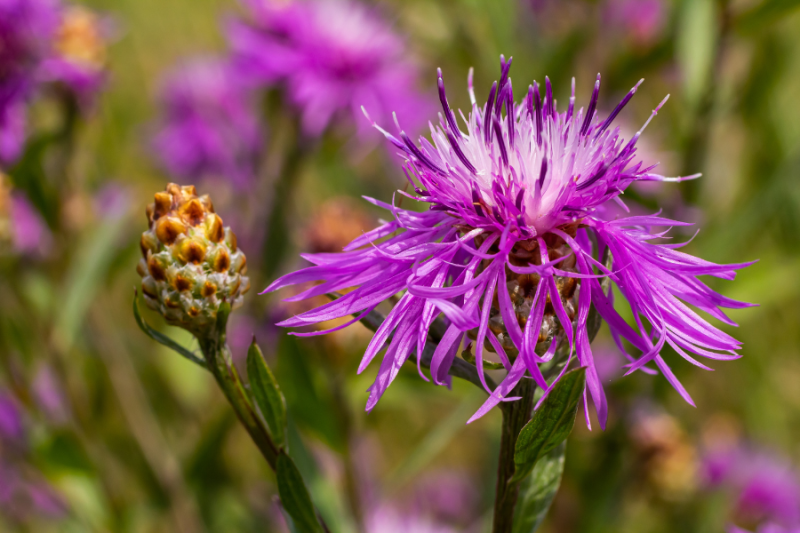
(551, 423)
(295, 498)
(160, 337)
(266, 394)
(87, 270)
(536, 493)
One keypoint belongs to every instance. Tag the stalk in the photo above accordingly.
(220, 364)
(515, 415)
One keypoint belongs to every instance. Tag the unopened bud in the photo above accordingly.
(190, 263)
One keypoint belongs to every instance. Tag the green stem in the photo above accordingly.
(515, 415)
(220, 363)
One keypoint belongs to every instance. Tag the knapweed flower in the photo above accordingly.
(209, 127)
(190, 263)
(332, 56)
(43, 43)
(29, 232)
(641, 20)
(26, 31)
(78, 59)
(766, 486)
(511, 251)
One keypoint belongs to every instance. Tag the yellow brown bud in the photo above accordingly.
(191, 263)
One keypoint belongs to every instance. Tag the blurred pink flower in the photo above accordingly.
(208, 127)
(333, 57)
(767, 486)
(49, 396)
(31, 235)
(642, 20)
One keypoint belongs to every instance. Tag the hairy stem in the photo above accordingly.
(220, 363)
(515, 415)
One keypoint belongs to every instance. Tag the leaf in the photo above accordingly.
(85, 274)
(267, 395)
(295, 498)
(551, 423)
(537, 491)
(160, 337)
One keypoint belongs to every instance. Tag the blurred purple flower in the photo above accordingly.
(26, 31)
(78, 59)
(333, 56)
(45, 500)
(49, 395)
(513, 225)
(642, 20)
(20, 494)
(386, 519)
(767, 528)
(112, 200)
(767, 487)
(10, 419)
(209, 127)
(448, 497)
(31, 235)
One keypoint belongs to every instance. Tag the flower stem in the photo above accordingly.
(515, 415)
(220, 363)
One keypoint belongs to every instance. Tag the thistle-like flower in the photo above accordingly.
(190, 263)
(26, 30)
(332, 56)
(78, 59)
(208, 128)
(514, 247)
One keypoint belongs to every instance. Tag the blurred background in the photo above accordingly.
(102, 429)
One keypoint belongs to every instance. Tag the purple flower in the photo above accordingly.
(767, 528)
(10, 419)
(26, 30)
(767, 486)
(209, 126)
(388, 520)
(30, 233)
(79, 57)
(332, 56)
(508, 251)
(642, 20)
(49, 395)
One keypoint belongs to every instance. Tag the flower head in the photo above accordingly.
(26, 31)
(208, 126)
(78, 60)
(190, 263)
(641, 20)
(515, 251)
(332, 56)
(766, 486)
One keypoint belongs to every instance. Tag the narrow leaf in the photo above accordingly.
(295, 498)
(160, 337)
(266, 394)
(536, 493)
(550, 425)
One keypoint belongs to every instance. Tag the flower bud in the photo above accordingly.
(190, 263)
